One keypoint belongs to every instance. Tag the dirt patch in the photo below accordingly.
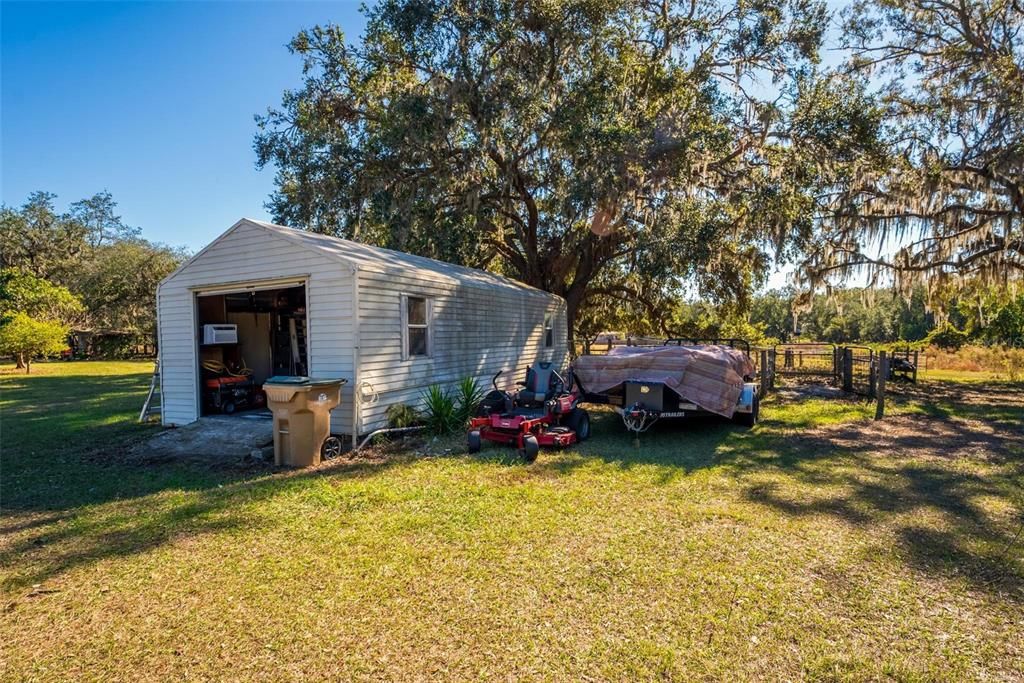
(798, 390)
(958, 421)
(994, 394)
(923, 436)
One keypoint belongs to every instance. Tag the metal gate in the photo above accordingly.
(806, 360)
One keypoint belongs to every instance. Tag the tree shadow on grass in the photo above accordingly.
(858, 484)
(71, 497)
(671, 448)
(920, 482)
(62, 437)
(885, 477)
(675, 447)
(996, 402)
(42, 548)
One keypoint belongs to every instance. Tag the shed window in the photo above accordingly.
(416, 312)
(549, 332)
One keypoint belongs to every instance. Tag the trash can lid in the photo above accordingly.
(317, 381)
(303, 381)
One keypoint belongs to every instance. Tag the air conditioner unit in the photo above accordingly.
(220, 334)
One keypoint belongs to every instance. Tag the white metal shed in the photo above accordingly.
(391, 323)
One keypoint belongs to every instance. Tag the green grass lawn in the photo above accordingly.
(63, 424)
(821, 545)
(962, 376)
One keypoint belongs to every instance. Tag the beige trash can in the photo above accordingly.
(302, 417)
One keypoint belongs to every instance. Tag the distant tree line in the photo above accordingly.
(83, 270)
(971, 313)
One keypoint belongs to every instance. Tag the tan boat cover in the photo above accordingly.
(709, 376)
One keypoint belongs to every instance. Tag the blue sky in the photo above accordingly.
(151, 101)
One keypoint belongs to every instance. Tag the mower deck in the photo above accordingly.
(513, 428)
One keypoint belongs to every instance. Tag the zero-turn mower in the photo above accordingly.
(544, 412)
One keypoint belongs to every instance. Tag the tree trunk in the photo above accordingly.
(28, 364)
(572, 306)
(20, 361)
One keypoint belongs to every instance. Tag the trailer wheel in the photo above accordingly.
(474, 441)
(331, 448)
(750, 419)
(530, 449)
(579, 422)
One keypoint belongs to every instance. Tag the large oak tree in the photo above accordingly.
(598, 149)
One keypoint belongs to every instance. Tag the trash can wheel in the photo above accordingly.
(331, 448)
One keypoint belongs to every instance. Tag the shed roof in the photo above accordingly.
(359, 255)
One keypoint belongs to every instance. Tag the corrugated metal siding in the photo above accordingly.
(477, 331)
(251, 253)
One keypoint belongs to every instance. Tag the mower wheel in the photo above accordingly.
(331, 448)
(530, 449)
(228, 408)
(750, 419)
(474, 441)
(579, 422)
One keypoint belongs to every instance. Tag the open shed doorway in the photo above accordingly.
(246, 337)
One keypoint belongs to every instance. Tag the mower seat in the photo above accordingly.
(540, 385)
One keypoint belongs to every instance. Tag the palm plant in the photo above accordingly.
(468, 395)
(439, 411)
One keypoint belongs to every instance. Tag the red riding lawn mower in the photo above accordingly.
(544, 412)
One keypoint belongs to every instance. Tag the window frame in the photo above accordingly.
(427, 326)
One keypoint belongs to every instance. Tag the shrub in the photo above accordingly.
(946, 336)
(1007, 327)
(1003, 361)
(401, 416)
(1012, 363)
(468, 395)
(439, 412)
(117, 346)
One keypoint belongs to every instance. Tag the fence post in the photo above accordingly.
(872, 378)
(914, 378)
(773, 359)
(764, 372)
(883, 372)
(848, 370)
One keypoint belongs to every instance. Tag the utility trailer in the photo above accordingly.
(682, 377)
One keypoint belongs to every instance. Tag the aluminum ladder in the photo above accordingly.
(151, 408)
